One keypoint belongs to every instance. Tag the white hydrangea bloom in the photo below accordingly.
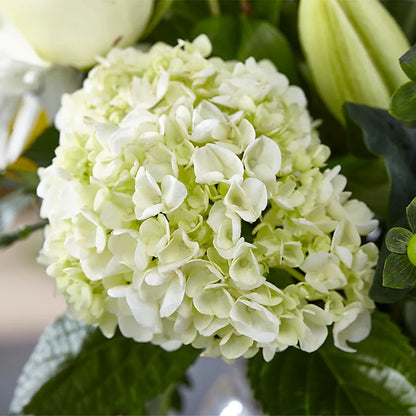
(189, 204)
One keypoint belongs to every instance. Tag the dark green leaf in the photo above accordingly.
(379, 379)
(403, 103)
(266, 10)
(411, 214)
(179, 20)
(280, 278)
(262, 40)
(390, 139)
(161, 7)
(223, 32)
(397, 239)
(42, 151)
(367, 180)
(111, 376)
(399, 272)
(408, 60)
(169, 400)
(60, 342)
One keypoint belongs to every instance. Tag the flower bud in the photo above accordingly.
(74, 32)
(352, 48)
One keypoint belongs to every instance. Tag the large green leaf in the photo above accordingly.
(379, 379)
(106, 376)
(392, 140)
(240, 37)
(223, 32)
(262, 40)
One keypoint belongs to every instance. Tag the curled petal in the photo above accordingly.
(262, 159)
(214, 164)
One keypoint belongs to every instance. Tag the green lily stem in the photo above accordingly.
(21, 233)
(294, 273)
(214, 7)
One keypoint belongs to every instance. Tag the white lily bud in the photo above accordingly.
(75, 32)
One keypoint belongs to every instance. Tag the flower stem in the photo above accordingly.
(21, 233)
(294, 273)
(214, 7)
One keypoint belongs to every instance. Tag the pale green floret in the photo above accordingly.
(189, 204)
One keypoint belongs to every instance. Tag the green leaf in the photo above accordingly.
(223, 32)
(367, 180)
(379, 292)
(262, 40)
(379, 379)
(61, 341)
(411, 214)
(42, 151)
(389, 138)
(399, 272)
(408, 60)
(397, 239)
(266, 10)
(161, 7)
(111, 376)
(403, 103)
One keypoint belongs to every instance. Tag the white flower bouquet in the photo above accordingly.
(191, 209)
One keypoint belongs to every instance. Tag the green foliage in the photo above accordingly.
(408, 63)
(160, 8)
(266, 10)
(262, 40)
(379, 379)
(397, 239)
(395, 143)
(104, 376)
(399, 268)
(21, 233)
(42, 151)
(239, 37)
(367, 180)
(60, 342)
(403, 103)
(223, 31)
(399, 272)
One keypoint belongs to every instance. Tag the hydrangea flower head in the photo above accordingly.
(189, 204)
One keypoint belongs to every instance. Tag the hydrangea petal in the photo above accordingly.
(262, 159)
(214, 164)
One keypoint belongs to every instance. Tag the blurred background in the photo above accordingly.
(27, 302)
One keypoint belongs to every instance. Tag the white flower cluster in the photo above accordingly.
(187, 205)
